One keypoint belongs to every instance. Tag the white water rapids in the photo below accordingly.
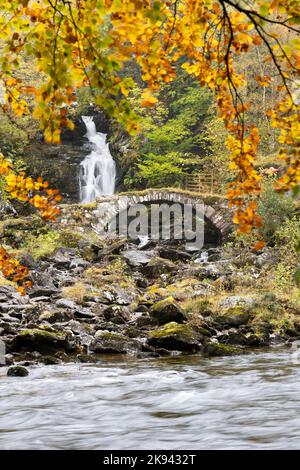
(98, 169)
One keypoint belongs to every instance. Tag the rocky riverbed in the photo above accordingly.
(93, 296)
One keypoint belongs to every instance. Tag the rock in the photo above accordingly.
(234, 337)
(166, 311)
(62, 257)
(66, 303)
(110, 343)
(173, 254)
(136, 258)
(46, 291)
(142, 319)
(266, 258)
(9, 360)
(79, 263)
(253, 339)
(175, 337)
(235, 316)
(145, 242)
(236, 300)
(215, 349)
(116, 314)
(27, 260)
(87, 358)
(158, 266)
(43, 340)
(211, 254)
(17, 371)
(53, 317)
(114, 248)
(213, 270)
(50, 360)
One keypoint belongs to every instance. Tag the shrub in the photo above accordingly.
(274, 209)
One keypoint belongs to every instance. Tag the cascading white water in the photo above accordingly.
(98, 169)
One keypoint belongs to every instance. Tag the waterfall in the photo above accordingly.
(98, 169)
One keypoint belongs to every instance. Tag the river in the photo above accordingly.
(183, 402)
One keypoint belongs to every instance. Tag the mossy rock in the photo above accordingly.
(21, 223)
(106, 342)
(233, 317)
(235, 337)
(14, 231)
(217, 349)
(176, 337)
(166, 311)
(158, 266)
(186, 289)
(53, 317)
(17, 371)
(43, 340)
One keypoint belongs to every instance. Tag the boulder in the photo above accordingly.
(158, 266)
(175, 337)
(233, 317)
(113, 248)
(216, 349)
(107, 342)
(236, 301)
(166, 311)
(44, 291)
(116, 314)
(17, 371)
(62, 257)
(136, 258)
(234, 337)
(44, 340)
(53, 317)
(173, 254)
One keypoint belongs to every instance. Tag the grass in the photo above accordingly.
(77, 292)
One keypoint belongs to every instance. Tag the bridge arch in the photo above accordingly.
(215, 207)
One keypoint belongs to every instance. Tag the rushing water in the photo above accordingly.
(98, 169)
(242, 402)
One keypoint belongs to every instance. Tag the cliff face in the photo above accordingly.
(60, 164)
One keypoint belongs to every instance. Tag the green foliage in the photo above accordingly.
(174, 140)
(287, 241)
(274, 209)
(13, 138)
(43, 245)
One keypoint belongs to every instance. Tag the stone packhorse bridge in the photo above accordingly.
(106, 208)
(215, 207)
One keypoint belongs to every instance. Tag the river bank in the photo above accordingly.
(93, 296)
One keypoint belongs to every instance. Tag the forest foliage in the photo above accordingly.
(77, 43)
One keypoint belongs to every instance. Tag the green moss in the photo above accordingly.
(42, 246)
(163, 304)
(88, 206)
(69, 238)
(108, 336)
(41, 334)
(182, 290)
(217, 349)
(173, 329)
